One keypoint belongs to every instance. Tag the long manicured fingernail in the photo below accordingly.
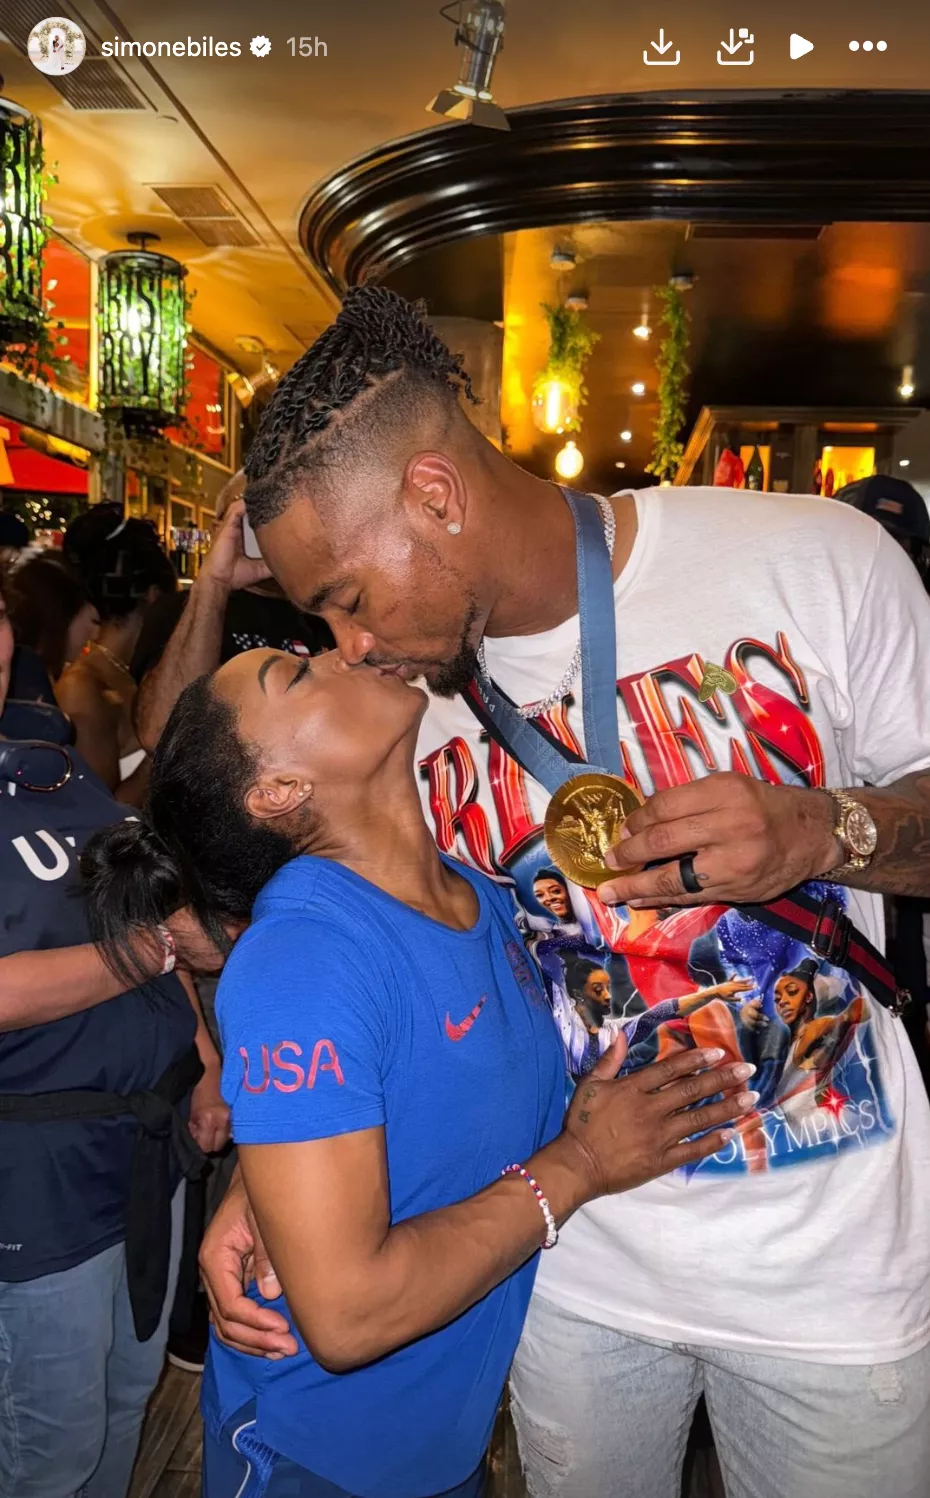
(716, 1054)
(727, 1134)
(747, 1099)
(274, 1357)
(744, 1070)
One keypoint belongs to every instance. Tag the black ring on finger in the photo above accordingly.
(690, 882)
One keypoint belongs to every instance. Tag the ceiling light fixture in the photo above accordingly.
(619, 465)
(23, 230)
(142, 321)
(481, 32)
(626, 436)
(906, 387)
(244, 387)
(642, 330)
(904, 462)
(638, 388)
(569, 461)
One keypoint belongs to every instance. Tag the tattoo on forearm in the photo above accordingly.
(901, 865)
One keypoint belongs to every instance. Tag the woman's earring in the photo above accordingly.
(454, 528)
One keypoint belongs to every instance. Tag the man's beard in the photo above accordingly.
(452, 677)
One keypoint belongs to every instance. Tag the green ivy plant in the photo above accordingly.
(571, 343)
(672, 364)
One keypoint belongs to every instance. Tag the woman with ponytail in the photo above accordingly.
(394, 1077)
(125, 571)
(103, 1083)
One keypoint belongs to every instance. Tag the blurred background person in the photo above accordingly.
(95, 1084)
(242, 608)
(51, 612)
(30, 685)
(14, 538)
(125, 571)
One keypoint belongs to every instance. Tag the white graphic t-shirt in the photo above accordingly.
(809, 1235)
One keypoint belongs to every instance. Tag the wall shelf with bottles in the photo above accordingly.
(791, 450)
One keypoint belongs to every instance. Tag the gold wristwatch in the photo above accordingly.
(855, 831)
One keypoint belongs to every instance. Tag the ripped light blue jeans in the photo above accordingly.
(74, 1381)
(601, 1413)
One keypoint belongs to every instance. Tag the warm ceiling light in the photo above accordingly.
(641, 331)
(906, 387)
(626, 436)
(569, 461)
(638, 388)
(554, 406)
(904, 462)
(481, 33)
(142, 320)
(619, 465)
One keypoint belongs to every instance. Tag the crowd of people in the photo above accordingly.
(273, 867)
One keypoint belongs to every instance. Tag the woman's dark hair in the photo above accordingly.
(578, 970)
(117, 559)
(196, 846)
(43, 597)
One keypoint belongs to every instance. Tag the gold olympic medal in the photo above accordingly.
(583, 822)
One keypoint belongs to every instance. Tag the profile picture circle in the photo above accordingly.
(56, 45)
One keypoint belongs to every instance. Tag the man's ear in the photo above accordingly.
(433, 485)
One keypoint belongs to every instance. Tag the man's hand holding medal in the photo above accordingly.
(723, 840)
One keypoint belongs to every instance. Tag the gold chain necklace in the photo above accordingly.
(104, 650)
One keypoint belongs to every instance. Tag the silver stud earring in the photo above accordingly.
(454, 528)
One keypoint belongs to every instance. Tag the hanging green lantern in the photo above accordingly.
(142, 320)
(23, 230)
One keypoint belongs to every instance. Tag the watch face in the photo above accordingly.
(861, 832)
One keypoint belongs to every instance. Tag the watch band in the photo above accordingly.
(854, 862)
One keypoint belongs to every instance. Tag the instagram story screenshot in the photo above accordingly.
(464, 749)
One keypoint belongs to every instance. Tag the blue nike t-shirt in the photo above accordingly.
(343, 1009)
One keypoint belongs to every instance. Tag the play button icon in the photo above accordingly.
(799, 46)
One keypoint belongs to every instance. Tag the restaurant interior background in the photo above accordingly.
(640, 279)
(683, 255)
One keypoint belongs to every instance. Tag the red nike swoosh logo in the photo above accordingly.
(459, 1031)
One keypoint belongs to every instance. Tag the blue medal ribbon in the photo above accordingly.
(537, 751)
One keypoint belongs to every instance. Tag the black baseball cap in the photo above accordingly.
(893, 503)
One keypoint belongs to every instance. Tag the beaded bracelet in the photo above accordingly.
(552, 1232)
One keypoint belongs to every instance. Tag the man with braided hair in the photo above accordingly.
(431, 555)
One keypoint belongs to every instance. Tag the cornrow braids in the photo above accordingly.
(376, 333)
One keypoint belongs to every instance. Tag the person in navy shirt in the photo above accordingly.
(95, 1076)
(394, 1077)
